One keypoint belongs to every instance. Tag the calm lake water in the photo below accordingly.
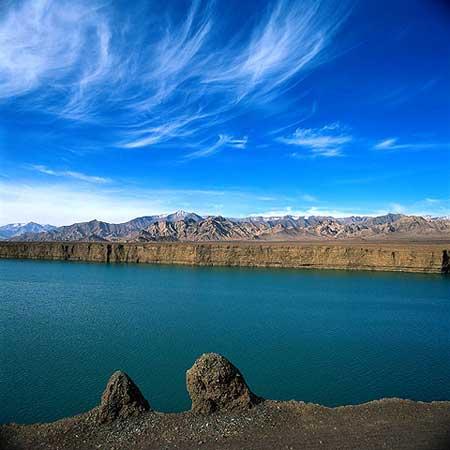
(331, 337)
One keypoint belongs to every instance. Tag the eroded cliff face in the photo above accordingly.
(432, 258)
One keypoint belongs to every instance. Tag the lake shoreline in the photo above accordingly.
(395, 256)
(226, 414)
(387, 423)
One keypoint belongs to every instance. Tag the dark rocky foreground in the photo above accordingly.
(225, 414)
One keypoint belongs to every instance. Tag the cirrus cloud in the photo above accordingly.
(174, 80)
(327, 141)
(394, 144)
(70, 174)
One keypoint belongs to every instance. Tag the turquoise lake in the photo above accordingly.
(329, 337)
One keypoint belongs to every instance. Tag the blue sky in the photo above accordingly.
(112, 111)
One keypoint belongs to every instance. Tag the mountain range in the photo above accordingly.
(18, 229)
(188, 226)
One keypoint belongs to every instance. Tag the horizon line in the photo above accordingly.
(250, 216)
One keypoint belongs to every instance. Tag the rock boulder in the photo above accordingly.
(121, 398)
(214, 384)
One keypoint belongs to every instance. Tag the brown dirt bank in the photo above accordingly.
(423, 257)
(226, 414)
(384, 424)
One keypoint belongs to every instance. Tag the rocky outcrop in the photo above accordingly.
(214, 384)
(404, 257)
(121, 399)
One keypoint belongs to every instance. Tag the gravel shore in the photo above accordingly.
(383, 424)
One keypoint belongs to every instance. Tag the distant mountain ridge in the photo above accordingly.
(17, 229)
(188, 226)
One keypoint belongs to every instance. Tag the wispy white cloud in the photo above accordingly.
(397, 208)
(290, 39)
(53, 47)
(328, 141)
(309, 198)
(59, 202)
(181, 127)
(223, 141)
(386, 144)
(404, 93)
(434, 207)
(394, 144)
(171, 81)
(418, 208)
(70, 174)
(312, 211)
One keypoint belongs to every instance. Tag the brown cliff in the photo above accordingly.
(413, 257)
